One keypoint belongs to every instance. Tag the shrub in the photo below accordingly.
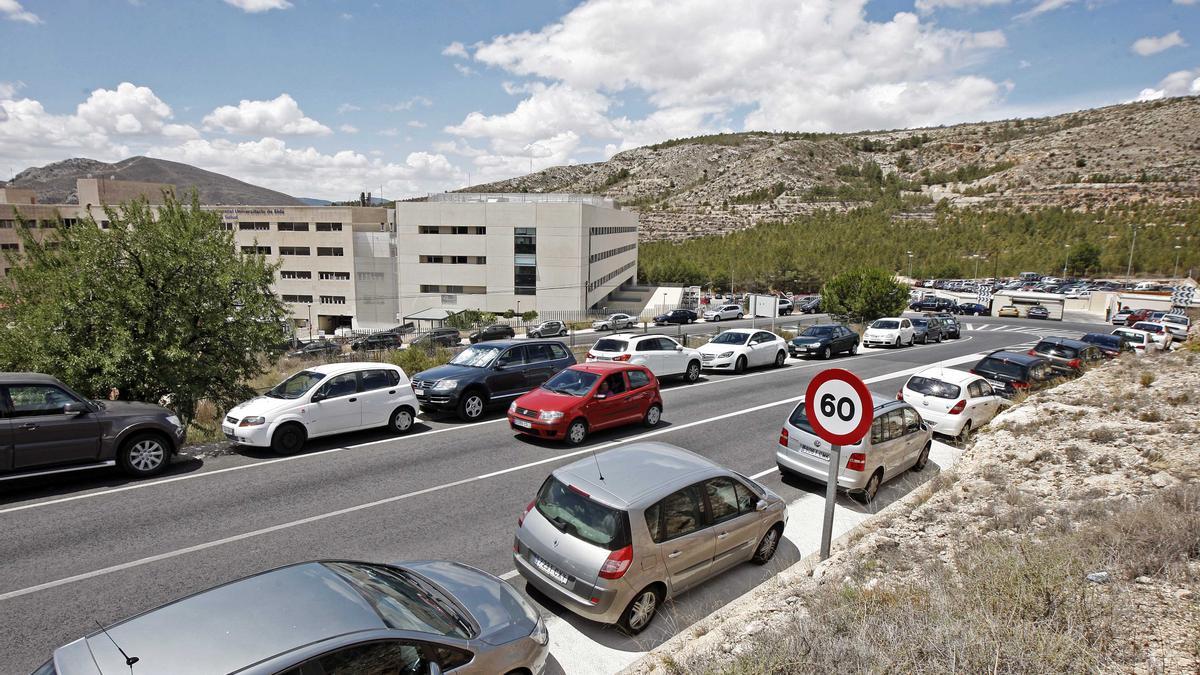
(414, 360)
(1147, 378)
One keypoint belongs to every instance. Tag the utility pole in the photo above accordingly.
(909, 264)
(1132, 244)
(1175, 272)
(1066, 258)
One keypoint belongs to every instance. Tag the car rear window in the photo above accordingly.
(573, 512)
(1054, 349)
(999, 367)
(610, 345)
(799, 419)
(933, 387)
(1110, 341)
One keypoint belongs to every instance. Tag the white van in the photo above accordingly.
(322, 401)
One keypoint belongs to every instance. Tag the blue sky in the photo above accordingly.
(324, 98)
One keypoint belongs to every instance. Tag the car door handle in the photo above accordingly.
(392, 391)
(29, 426)
(722, 535)
(353, 400)
(676, 554)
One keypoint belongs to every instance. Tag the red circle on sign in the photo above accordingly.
(865, 404)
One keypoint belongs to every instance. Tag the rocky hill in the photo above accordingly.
(716, 184)
(55, 183)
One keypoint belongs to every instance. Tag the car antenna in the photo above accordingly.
(597, 460)
(129, 660)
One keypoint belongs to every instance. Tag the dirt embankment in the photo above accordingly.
(1066, 540)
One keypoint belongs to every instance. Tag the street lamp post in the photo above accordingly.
(1066, 258)
(909, 264)
(310, 337)
(664, 303)
(1175, 272)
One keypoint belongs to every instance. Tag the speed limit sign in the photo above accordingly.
(838, 406)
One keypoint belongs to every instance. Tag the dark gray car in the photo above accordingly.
(333, 616)
(47, 428)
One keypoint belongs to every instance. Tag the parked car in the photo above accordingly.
(1067, 356)
(741, 348)
(899, 440)
(971, 309)
(679, 316)
(931, 303)
(317, 349)
(950, 326)
(614, 322)
(1178, 326)
(50, 428)
(377, 341)
(950, 401)
(892, 331)
(588, 397)
(661, 521)
(548, 329)
(785, 307)
(722, 312)
(498, 331)
(438, 337)
(1121, 317)
(927, 329)
(489, 374)
(811, 305)
(1012, 372)
(661, 354)
(322, 401)
(1009, 310)
(1111, 346)
(824, 340)
(1137, 315)
(1141, 341)
(1037, 312)
(1162, 336)
(327, 616)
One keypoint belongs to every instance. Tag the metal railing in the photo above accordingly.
(522, 198)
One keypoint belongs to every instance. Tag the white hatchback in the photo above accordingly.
(952, 402)
(741, 348)
(1141, 341)
(322, 401)
(1161, 334)
(889, 332)
(662, 355)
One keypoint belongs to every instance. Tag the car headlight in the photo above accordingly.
(443, 385)
(540, 635)
(725, 355)
(550, 416)
(252, 421)
(512, 407)
(173, 420)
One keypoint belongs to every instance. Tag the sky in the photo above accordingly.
(328, 98)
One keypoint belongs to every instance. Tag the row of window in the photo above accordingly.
(612, 230)
(261, 226)
(328, 251)
(8, 223)
(307, 299)
(451, 229)
(597, 257)
(464, 290)
(371, 276)
(611, 275)
(324, 276)
(454, 259)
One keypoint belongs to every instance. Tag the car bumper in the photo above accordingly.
(880, 341)
(799, 351)
(609, 602)
(818, 470)
(942, 423)
(726, 363)
(429, 398)
(259, 436)
(534, 427)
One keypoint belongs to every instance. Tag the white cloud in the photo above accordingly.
(281, 115)
(390, 132)
(1045, 6)
(465, 71)
(416, 124)
(1023, 64)
(348, 129)
(1151, 45)
(347, 108)
(10, 89)
(346, 16)
(13, 11)
(256, 6)
(1178, 83)
(1187, 2)
(931, 5)
(408, 104)
(456, 50)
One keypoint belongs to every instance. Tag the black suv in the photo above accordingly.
(810, 306)
(933, 304)
(1067, 356)
(824, 340)
(49, 428)
(383, 340)
(676, 316)
(1011, 372)
(496, 331)
(548, 329)
(315, 349)
(489, 374)
(438, 337)
(1111, 346)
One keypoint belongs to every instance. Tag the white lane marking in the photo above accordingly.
(508, 575)
(760, 474)
(398, 439)
(445, 486)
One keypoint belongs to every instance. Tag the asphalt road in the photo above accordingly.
(96, 547)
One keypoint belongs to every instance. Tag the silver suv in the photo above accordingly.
(611, 537)
(899, 440)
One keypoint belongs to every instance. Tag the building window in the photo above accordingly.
(297, 298)
(7, 224)
(10, 247)
(254, 226)
(454, 259)
(259, 250)
(451, 229)
(293, 250)
(227, 226)
(70, 222)
(294, 274)
(329, 227)
(612, 230)
(610, 276)
(525, 261)
(371, 276)
(333, 299)
(104, 225)
(51, 245)
(464, 290)
(597, 257)
(293, 227)
(329, 250)
(47, 224)
(334, 276)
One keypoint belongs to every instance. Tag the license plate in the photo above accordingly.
(230, 436)
(522, 423)
(548, 569)
(814, 452)
(997, 385)
(602, 358)
(418, 392)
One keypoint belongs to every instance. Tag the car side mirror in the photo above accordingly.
(75, 408)
(318, 397)
(760, 505)
(499, 366)
(601, 397)
(678, 348)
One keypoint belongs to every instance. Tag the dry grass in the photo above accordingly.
(1147, 378)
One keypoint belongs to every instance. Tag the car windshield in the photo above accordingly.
(999, 367)
(404, 601)
(476, 357)
(1148, 327)
(296, 385)
(817, 331)
(730, 338)
(1175, 318)
(1055, 349)
(610, 345)
(933, 387)
(573, 512)
(886, 324)
(572, 382)
(920, 322)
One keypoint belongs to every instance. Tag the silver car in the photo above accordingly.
(614, 322)
(611, 537)
(899, 440)
(330, 616)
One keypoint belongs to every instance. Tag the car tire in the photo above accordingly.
(780, 359)
(740, 315)
(653, 416)
(868, 493)
(641, 610)
(768, 545)
(826, 353)
(288, 439)
(143, 455)
(964, 434)
(402, 420)
(471, 406)
(922, 459)
(693, 372)
(898, 342)
(577, 432)
(739, 366)
(603, 327)
(854, 349)
(910, 341)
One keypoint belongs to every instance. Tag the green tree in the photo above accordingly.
(863, 294)
(160, 306)
(1084, 257)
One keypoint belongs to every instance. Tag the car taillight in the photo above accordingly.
(972, 371)
(1020, 385)
(521, 520)
(591, 355)
(900, 395)
(623, 357)
(783, 436)
(617, 563)
(1075, 363)
(857, 462)
(958, 407)
(1031, 353)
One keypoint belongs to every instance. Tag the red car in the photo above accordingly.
(587, 397)
(1138, 315)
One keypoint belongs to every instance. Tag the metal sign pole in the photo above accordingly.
(835, 462)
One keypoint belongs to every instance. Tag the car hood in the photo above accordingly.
(446, 372)
(129, 408)
(502, 615)
(883, 331)
(544, 399)
(710, 348)
(805, 340)
(263, 405)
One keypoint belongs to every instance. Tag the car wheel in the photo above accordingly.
(897, 343)
(653, 416)
(922, 459)
(872, 489)
(767, 547)
(288, 439)
(470, 407)
(693, 372)
(143, 455)
(853, 349)
(780, 358)
(577, 432)
(641, 610)
(965, 433)
(826, 353)
(740, 315)
(739, 366)
(402, 421)
(910, 341)
(604, 327)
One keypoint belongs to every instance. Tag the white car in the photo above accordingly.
(1178, 324)
(614, 322)
(1141, 341)
(722, 312)
(322, 401)
(889, 332)
(1161, 334)
(785, 307)
(662, 355)
(741, 348)
(952, 402)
